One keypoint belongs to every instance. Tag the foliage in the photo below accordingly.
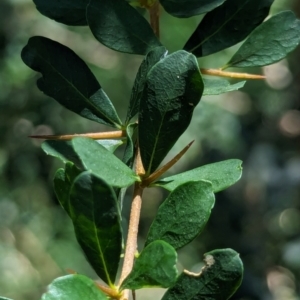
(166, 91)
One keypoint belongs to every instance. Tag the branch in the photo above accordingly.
(220, 73)
(154, 18)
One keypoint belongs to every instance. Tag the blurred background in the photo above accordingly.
(259, 216)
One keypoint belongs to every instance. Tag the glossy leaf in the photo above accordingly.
(102, 163)
(189, 8)
(128, 157)
(221, 174)
(155, 267)
(227, 25)
(67, 79)
(97, 222)
(63, 181)
(173, 89)
(69, 12)
(183, 215)
(220, 86)
(120, 27)
(153, 57)
(75, 287)
(269, 43)
(218, 280)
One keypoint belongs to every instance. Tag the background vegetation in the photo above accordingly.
(259, 216)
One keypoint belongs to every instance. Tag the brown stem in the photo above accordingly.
(154, 17)
(220, 73)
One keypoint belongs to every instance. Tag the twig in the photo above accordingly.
(154, 17)
(220, 73)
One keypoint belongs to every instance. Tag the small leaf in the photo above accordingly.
(97, 222)
(110, 145)
(221, 174)
(75, 287)
(129, 152)
(189, 8)
(63, 181)
(120, 27)
(68, 80)
(227, 25)
(218, 280)
(153, 57)
(68, 12)
(220, 86)
(183, 215)
(104, 164)
(173, 89)
(268, 43)
(155, 267)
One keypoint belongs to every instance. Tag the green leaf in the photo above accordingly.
(268, 43)
(227, 25)
(3, 298)
(189, 8)
(63, 181)
(69, 12)
(67, 79)
(221, 174)
(153, 57)
(97, 222)
(102, 163)
(183, 215)
(120, 27)
(128, 157)
(218, 280)
(155, 267)
(110, 145)
(75, 287)
(173, 89)
(220, 86)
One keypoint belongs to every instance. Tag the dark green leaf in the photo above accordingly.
(220, 86)
(97, 222)
(189, 8)
(156, 266)
(153, 57)
(218, 280)
(173, 89)
(183, 215)
(120, 27)
(75, 287)
(68, 80)
(63, 181)
(102, 163)
(268, 43)
(221, 174)
(69, 12)
(128, 157)
(227, 25)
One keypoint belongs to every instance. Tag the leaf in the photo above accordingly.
(97, 222)
(63, 181)
(110, 145)
(221, 174)
(173, 89)
(120, 27)
(68, 12)
(129, 152)
(227, 25)
(220, 86)
(189, 8)
(75, 287)
(3, 298)
(183, 215)
(155, 267)
(153, 57)
(102, 163)
(218, 280)
(268, 43)
(67, 79)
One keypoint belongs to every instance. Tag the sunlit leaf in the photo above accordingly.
(97, 223)
(75, 287)
(155, 266)
(218, 280)
(183, 215)
(227, 25)
(221, 174)
(67, 79)
(269, 43)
